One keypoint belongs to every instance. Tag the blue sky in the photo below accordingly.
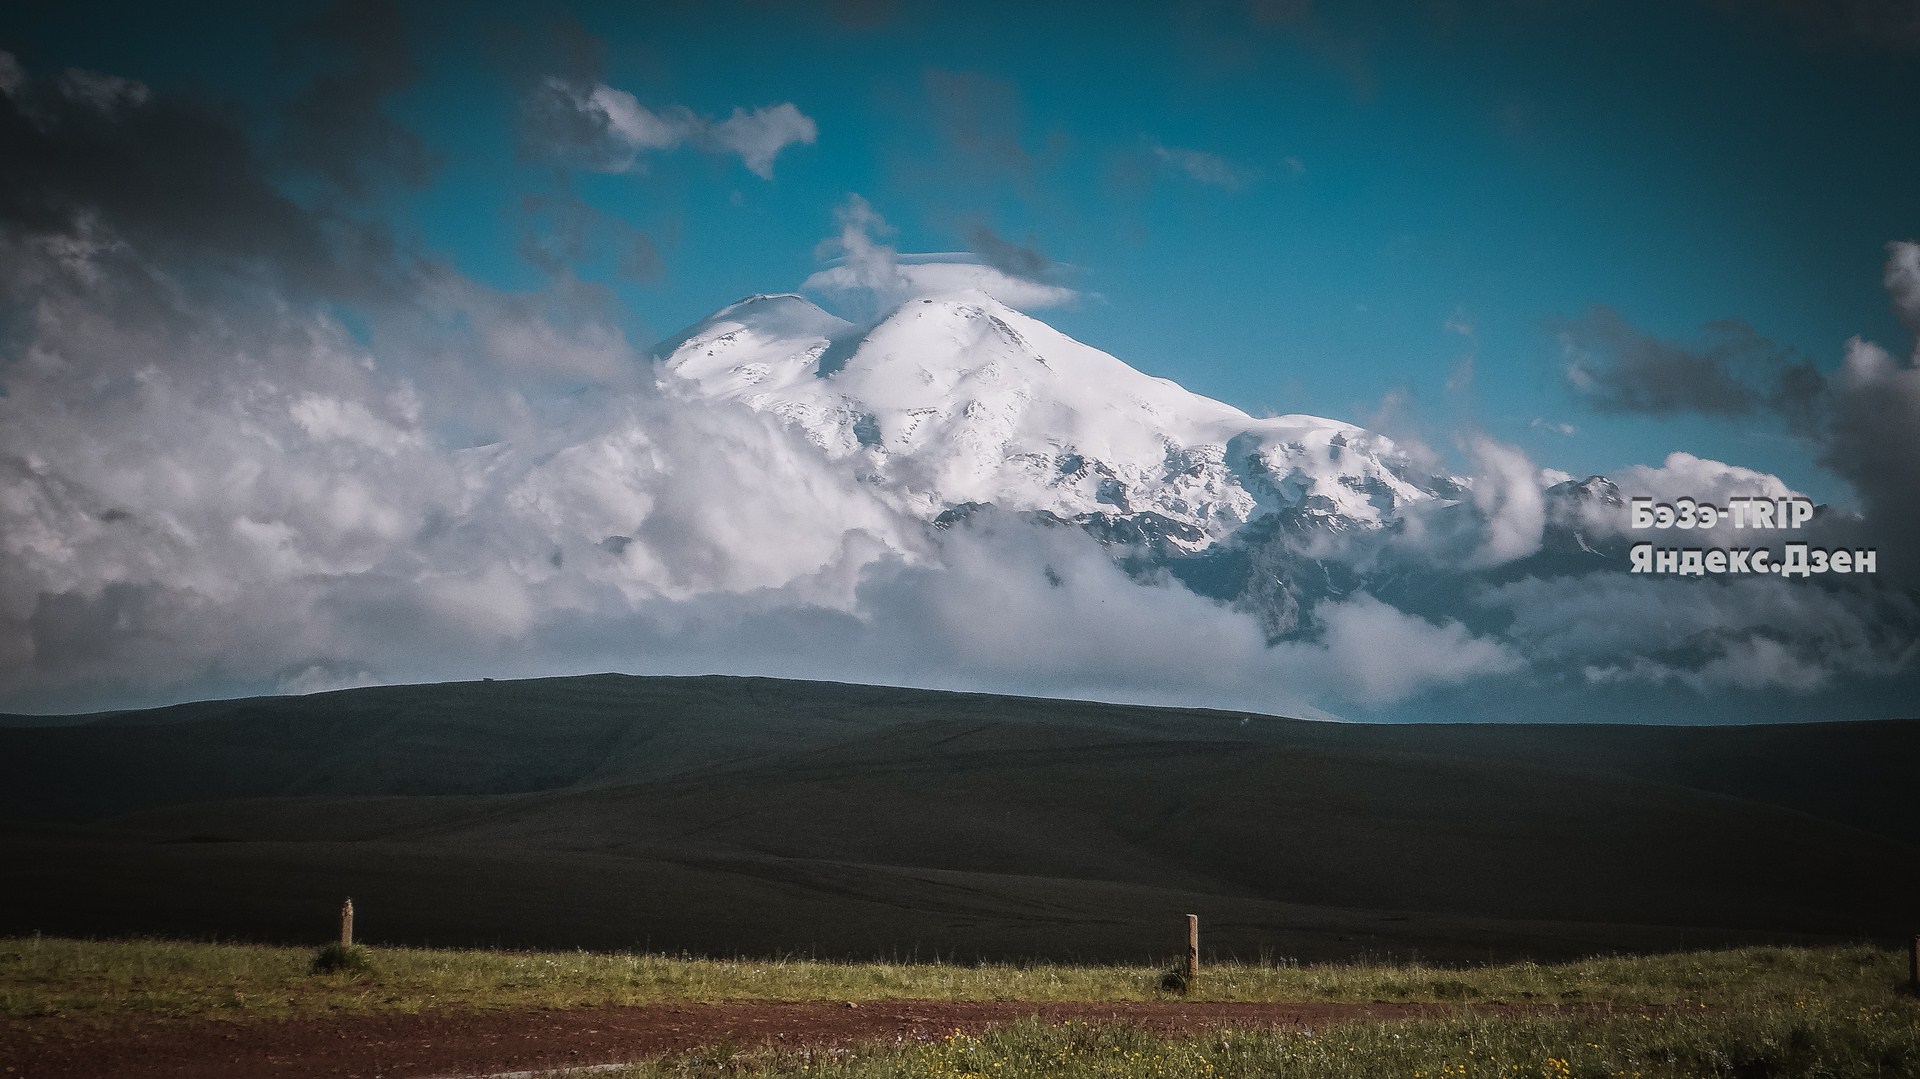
(1377, 173)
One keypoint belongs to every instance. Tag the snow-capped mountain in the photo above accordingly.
(955, 402)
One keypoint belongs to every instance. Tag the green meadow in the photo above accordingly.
(1747, 1012)
(48, 976)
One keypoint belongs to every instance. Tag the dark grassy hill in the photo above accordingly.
(1857, 773)
(719, 814)
(483, 738)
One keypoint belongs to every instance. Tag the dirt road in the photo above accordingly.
(488, 1043)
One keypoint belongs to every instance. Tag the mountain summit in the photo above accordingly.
(958, 401)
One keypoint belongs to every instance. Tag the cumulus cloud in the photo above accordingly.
(1732, 372)
(599, 127)
(865, 262)
(201, 468)
(178, 504)
(1384, 655)
(760, 135)
(1047, 609)
(1902, 279)
(567, 331)
(1871, 437)
(1861, 420)
(92, 158)
(1683, 475)
(1709, 635)
(260, 498)
(1510, 500)
(1703, 480)
(1874, 443)
(1500, 517)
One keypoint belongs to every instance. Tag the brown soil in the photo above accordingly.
(399, 1046)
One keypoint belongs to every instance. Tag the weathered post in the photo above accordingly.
(346, 923)
(1193, 948)
(1913, 965)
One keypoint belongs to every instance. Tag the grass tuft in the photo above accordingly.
(1176, 980)
(337, 958)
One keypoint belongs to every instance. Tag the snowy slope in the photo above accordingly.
(958, 399)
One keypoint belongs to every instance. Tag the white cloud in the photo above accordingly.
(1683, 475)
(627, 120)
(1383, 655)
(1048, 610)
(609, 130)
(12, 75)
(1874, 443)
(1512, 505)
(865, 263)
(1202, 167)
(239, 491)
(1760, 663)
(760, 135)
(324, 418)
(915, 280)
(1707, 635)
(105, 93)
(874, 277)
(1902, 280)
(92, 89)
(324, 678)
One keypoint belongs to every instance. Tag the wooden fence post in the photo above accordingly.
(1193, 948)
(346, 923)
